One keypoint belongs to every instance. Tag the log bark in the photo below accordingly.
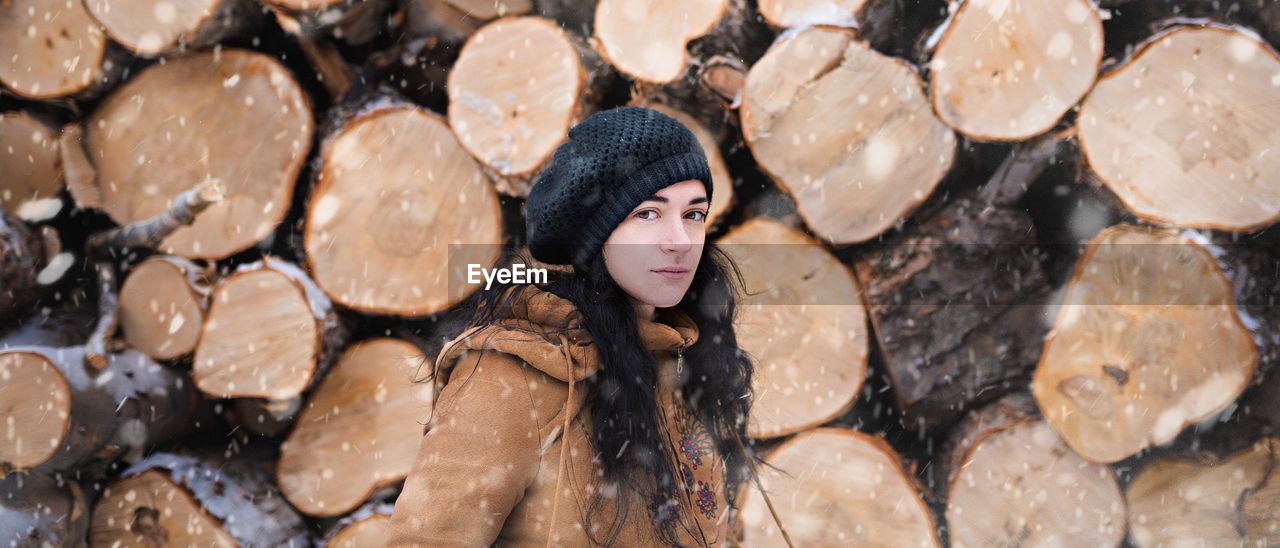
(148, 29)
(38, 510)
(22, 257)
(365, 406)
(855, 180)
(512, 120)
(255, 130)
(1011, 480)
(295, 335)
(804, 325)
(576, 16)
(355, 22)
(955, 297)
(776, 205)
(1232, 501)
(1174, 132)
(333, 72)
(862, 496)
(58, 51)
(708, 92)
(361, 246)
(203, 498)
(1146, 342)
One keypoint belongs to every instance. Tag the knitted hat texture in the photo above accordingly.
(610, 163)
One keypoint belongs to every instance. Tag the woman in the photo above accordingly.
(609, 405)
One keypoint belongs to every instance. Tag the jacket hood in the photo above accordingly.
(545, 330)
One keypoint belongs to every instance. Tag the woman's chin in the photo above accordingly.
(664, 299)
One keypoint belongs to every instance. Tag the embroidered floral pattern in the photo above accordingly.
(691, 450)
(706, 500)
(695, 442)
(694, 450)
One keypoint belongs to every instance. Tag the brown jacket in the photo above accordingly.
(488, 469)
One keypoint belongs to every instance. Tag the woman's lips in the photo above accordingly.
(673, 273)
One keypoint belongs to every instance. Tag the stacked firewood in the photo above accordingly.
(1010, 264)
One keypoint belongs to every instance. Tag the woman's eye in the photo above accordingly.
(646, 211)
(703, 217)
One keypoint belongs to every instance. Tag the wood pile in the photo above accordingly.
(1012, 265)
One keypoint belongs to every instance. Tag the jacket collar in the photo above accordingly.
(531, 328)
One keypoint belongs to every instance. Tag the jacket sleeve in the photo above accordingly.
(479, 454)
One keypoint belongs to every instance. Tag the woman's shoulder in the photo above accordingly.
(515, 387)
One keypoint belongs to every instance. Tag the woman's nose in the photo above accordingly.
(675, 236)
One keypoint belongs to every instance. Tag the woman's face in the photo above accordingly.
(654, 252)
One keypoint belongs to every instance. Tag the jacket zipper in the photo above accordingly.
(680, 357)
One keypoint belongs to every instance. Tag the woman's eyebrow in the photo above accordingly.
(663, 200)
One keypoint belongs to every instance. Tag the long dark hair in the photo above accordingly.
(621, 394)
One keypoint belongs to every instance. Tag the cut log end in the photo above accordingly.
(37, 410)
(1232, 502)
(257, 127)
(161, 309)
(92, 415)
(863, 496)
(402, 248)
(1059, 498)
(503, 116)
(648, 41)
(273, 355)
(365, 406)
(851, 181)
(1176, 134)
(200, 499)
(150, 509)
(811, 360)
(1147, 341)
(44, 38)
(1038, 60)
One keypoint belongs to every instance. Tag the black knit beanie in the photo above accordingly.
(611, 162)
